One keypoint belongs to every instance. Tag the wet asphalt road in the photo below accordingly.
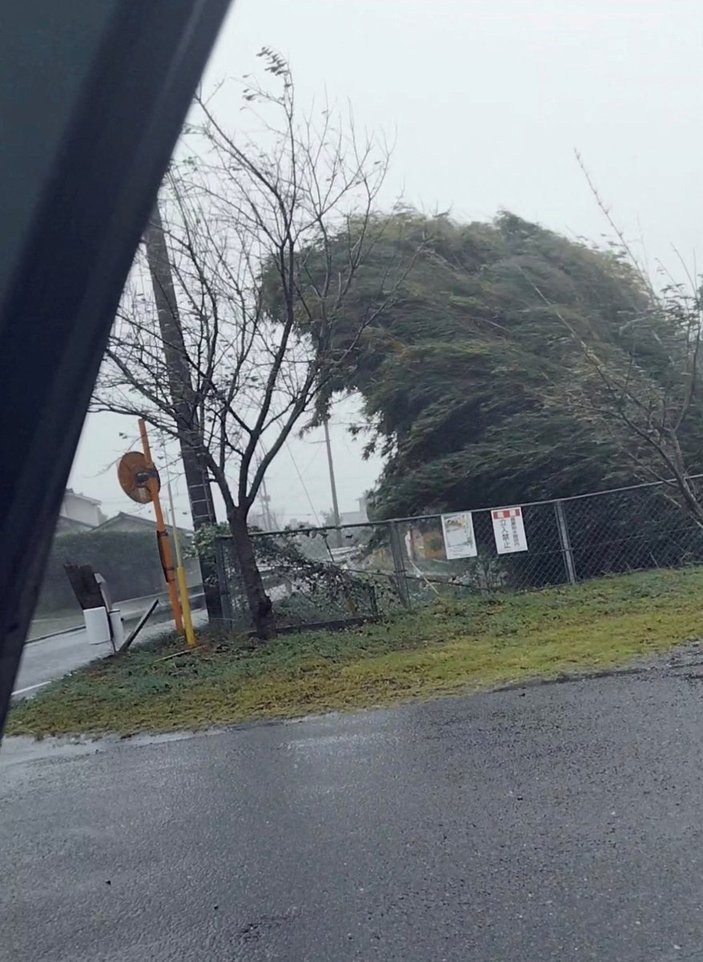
(560, 822)
(50, 658)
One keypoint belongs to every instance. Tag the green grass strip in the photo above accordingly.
(452, 646)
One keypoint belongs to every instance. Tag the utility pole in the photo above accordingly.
(266, 505)
(181, 390)
(333, 483)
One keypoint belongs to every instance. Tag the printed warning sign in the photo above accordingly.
(459, 539)
(509, 530)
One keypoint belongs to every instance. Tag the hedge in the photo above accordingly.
(128, 560)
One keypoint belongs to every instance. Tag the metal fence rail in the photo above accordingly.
(335, 576)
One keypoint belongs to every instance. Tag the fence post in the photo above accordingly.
(565, 542)
(399, 563)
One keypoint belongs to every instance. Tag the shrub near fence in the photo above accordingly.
(357, 571)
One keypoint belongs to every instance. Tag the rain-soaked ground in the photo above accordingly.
(556, 822)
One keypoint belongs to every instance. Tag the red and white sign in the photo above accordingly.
(509, 530)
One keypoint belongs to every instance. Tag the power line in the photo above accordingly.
(314, 457)
(300, 478)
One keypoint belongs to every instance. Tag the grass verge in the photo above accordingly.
(453, 646)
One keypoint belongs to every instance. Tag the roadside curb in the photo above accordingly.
(54, 634)
(565, 678)
(195, 597)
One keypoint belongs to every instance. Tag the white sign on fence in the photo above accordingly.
(458, 531)
(509, 530)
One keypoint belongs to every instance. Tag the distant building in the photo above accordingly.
(134, 522)
(360, 516)
(78, 512)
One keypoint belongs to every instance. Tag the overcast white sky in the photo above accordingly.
(487, 100)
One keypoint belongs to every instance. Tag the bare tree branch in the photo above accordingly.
(249, 221)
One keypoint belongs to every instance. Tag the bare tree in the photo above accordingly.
(250, 220)
(643, 384)
(647, 392)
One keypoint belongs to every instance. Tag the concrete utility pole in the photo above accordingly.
(181, 390)
(266, 506)
(333, 483)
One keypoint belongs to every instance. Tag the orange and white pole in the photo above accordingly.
(161, 532)
(181, 576)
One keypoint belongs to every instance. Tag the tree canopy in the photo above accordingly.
(478, 380)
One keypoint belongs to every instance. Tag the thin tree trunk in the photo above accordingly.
(260, 605)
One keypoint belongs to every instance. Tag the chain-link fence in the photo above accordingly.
(333, 576)
(317, 576)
